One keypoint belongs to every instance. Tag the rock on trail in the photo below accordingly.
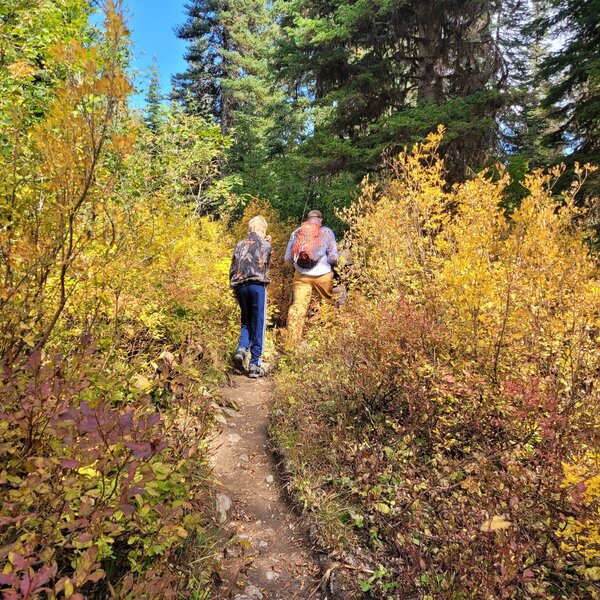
(268, 556)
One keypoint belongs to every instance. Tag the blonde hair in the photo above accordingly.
(258, 225)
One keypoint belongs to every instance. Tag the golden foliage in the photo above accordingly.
(455, 387)
(580, 535)
(54, 181)
(115, 321)
(519, 296)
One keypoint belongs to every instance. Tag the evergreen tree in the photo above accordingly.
(314, 94)
(522, 121)
(573, 73)
(154, 99)
(254, 97)
(228, 45)
(200, 85)
(384, 73)
(228, 77)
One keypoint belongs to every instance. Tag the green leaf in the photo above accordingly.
(382, 508)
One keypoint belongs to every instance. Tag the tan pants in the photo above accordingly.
(303, 287)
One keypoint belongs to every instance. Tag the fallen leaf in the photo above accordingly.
(496, 523)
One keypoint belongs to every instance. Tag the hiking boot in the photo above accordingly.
(239, 361)
(255, 372)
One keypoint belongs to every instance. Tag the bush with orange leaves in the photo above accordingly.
(457, 394)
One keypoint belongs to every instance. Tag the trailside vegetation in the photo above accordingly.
(114, 319)
(443, 428)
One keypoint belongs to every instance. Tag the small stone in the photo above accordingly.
(269, 479)
(244, 458)
(263, 544)
(234, 438)
(223, 505)
(234, 551)
(250, 593)
(167, 357)
(253, 592)
(271, 575)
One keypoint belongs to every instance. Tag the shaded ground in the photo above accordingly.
(268, 555)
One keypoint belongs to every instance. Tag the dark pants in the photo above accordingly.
(252, 298)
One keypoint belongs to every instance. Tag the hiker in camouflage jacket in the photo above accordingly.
(248, 278)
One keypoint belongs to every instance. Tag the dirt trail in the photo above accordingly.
(268, 556)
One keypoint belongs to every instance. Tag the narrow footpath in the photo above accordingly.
(268, 555)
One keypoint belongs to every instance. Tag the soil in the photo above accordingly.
(268, 554)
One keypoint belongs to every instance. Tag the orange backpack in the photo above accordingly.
(307, 244)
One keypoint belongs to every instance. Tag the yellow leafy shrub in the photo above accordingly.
(528, 284)
(115, 322)
(400, 259)
(580, 535)
(451, 390)
(166, 283)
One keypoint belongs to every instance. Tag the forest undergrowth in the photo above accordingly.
(442, 429)
(115, 321)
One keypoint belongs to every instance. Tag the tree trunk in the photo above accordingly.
(430, 89)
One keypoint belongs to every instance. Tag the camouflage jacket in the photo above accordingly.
(250, 261)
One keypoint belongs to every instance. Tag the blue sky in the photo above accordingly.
(151, 23)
